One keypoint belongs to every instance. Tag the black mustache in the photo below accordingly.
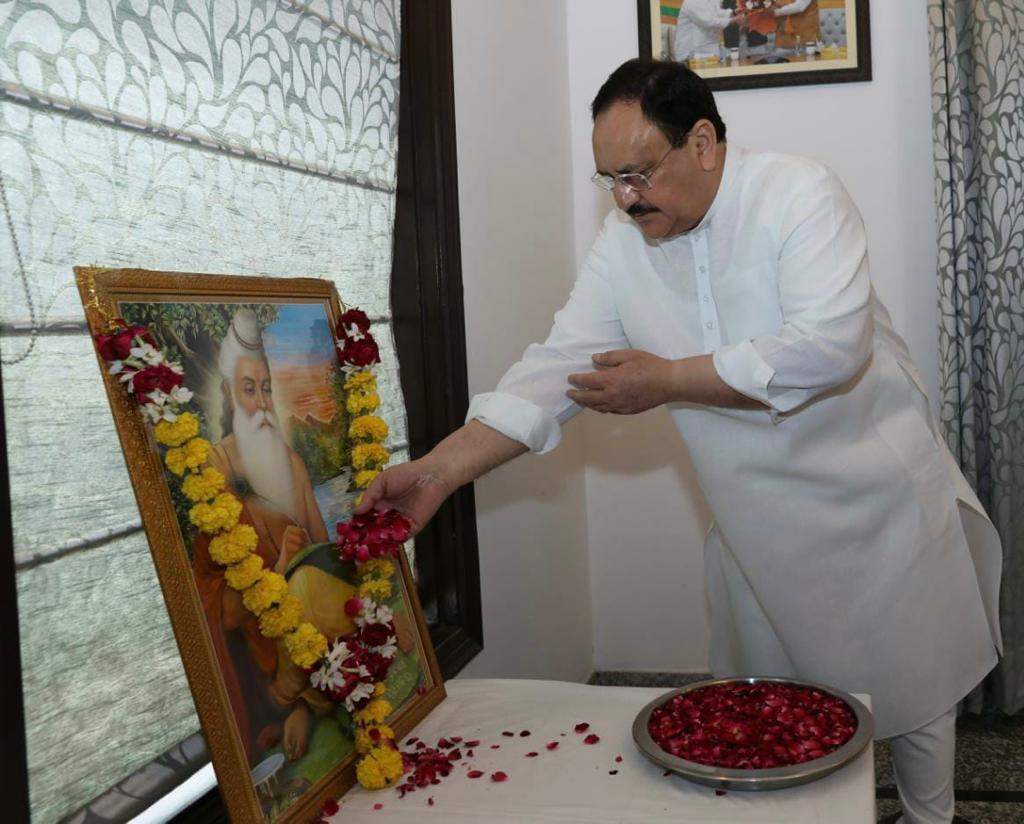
(636, 210)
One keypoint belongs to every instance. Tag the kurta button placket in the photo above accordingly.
(708, 310)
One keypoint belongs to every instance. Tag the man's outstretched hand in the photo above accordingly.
(415, 489)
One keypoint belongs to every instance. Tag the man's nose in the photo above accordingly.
(625, 196)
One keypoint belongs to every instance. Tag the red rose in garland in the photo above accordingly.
(118, 345)
(360, 353)
(160, 377)
(376, 635)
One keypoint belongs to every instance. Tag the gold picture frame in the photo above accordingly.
(232, 709)
(828, 42)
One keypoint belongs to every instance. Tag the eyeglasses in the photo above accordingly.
(630, 181)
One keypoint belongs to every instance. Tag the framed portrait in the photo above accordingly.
(272, 408)
(749, 44)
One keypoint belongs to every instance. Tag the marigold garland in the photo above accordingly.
(352, 669)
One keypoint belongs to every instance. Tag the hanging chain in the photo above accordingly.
(33, 324)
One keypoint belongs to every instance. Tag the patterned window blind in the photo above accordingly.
(230, 136)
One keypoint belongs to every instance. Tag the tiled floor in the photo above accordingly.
(989, 759)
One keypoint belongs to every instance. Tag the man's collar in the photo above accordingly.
(733, 161)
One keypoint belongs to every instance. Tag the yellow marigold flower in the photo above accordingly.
(269, 589)
(379, 767)
(219, 514)
(365, 477)
(175, 434)
(282, 619)
(368, 427)
(233, 546)
(369, 456)
(201, 486)
(245, 573)
(379, 689)
(360, 402)
(191, 455)
(305, 645)
(361, 382)
(378, 590)
(376, 568)
(376, 712)
(365, 740)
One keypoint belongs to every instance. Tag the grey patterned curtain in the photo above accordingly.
(232, 136)
(977, 49)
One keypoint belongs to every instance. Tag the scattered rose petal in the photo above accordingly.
(443, 743)
(613, 772)
(411, 741)
(581, 727)
(552, 745)
(498, 776)
(591, 739)
(330, 807)
(430, 801)
(378, 806)
(719, 792)
(474, 743)
(524, 733)
(455, 739)
(507, 733)
(474, 773)
(532, 754)
(469, 753)
(495, 746)
(618, 759)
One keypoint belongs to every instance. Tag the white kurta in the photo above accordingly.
(847, 547)
(699, 28)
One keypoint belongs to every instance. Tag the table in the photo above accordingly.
(572, 784)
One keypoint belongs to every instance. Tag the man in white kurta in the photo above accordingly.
(699, 28)
(734, 286)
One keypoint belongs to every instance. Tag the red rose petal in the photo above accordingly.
(469, 753)
(552, 745)
(591, 739)
(532, 754)
(720, 792)
(524, 733)
(455, 739)
(507, 733)
(498, 776)
(430, 801)
(474, 743)
(613, 772)
(330, 807)
(618, 759)
(495, 746)
(581, 727)
(474, 773)
(378, 806)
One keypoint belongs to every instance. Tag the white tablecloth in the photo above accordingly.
(572, 783)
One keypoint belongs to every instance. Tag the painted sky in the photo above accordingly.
(299, 337)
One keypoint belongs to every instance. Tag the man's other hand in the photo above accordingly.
(627, 381)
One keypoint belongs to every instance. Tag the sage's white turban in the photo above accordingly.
(244, 339)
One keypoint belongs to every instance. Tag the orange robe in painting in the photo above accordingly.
(805, 24)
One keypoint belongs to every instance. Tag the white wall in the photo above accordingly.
(646, 517)
(518, 263)
(524, 76)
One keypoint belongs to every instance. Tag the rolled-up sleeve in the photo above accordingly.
(824, 294)
(529, 404)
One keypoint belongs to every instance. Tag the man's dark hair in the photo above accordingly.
(671, 97)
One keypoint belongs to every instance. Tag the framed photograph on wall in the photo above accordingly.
(286, 639)
(750, 44)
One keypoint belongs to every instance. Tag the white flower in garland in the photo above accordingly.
(374, 614)
(361, 692)
(388, 649)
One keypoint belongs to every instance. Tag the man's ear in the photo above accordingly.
(705, 142)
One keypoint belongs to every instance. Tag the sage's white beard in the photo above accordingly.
(265, 459)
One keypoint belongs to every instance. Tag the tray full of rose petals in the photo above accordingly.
(753, 733)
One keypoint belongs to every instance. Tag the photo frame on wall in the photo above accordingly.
(265, 454)
(750, 44)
